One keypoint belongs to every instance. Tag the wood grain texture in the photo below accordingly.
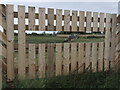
(41, 19)
(88, 21)
(107, 42)
(101, 24)
(32, 58)
(81, 21)
(50, 61)
(74, 20)
(87, 55)
(31, 18)
(59, 20)
(113, 36)
(100, 56)
(50, 19)
(66, 58)
(81, 59)
(58, 59)
(41, 60)
(94, 57)
(10, 42)
(73, 57)
(21, 42)
(66, 20)
(95, 22)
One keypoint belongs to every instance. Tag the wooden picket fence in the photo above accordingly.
(57, 58)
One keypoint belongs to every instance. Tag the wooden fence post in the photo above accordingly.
(10, 42)
(107, 42)
(113, 32)
(21, 42)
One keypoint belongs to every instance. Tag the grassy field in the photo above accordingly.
(109, 79)
(55, 39)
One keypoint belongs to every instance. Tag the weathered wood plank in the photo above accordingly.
(41, 60)
(73, 57)
(31, 18)
(10, 42)
(21, 42)
(100, 56)
(66, 20)
(81, 59)
(81, 21)
(94, 57)
(74, 20)
(101, 25)
(32, 58)
(107, 42)
(41, 19)
(87, 55)
(95, 22)
(50, 61)
(88, 21)
(50, 19)
(58, 59)
(59, 20)
(114, 29)
(66, 58)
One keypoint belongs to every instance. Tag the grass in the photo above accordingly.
(108, 79)
(55, 39)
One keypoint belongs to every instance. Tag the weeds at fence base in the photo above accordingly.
(108, 79)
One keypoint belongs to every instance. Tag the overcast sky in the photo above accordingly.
(60, 0)
(107, 7)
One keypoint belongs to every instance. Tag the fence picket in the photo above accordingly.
(87, 55)
(66, 60)
(94, 57)
(73, 57)
(41, 19)
(81, 59)
(81, 21)
(50, 61)
(10, 42)
(50, 19)
(41, 60)
(101, 24)
(95, 22)
(107, 42)
(32, 57)
(66, 20)
(88, 21)
(31, 11)
(21, 42)
(74, 20)
(58, 59)
(100, 56)
(113, 32)
(59, 20)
